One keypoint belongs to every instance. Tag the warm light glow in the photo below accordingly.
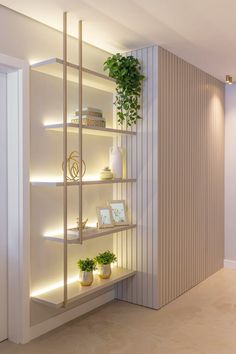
(60, 284)
(58, 179)
(57, 232)
(54, 286)
(45, 179)
(50, 122)
(33, 61)
(91, 178)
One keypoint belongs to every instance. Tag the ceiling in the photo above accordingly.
(202, 32)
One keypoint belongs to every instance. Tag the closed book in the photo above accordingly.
(90, 111)
(88, 116)
(90, 122)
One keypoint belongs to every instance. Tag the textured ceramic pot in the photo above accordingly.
(106, 174)
(85, 278)
(104, 271)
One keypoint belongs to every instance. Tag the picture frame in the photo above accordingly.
(119, 213)
(104, 215)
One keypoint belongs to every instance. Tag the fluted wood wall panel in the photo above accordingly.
(137, 249)
(190, 176)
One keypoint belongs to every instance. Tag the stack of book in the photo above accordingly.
(91, 117)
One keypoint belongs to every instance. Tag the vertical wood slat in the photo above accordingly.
(138, 249)
(190, 176)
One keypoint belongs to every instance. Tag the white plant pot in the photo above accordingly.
(104, 271)
(85, 278)
(116, 162)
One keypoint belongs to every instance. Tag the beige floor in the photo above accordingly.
(202, 321)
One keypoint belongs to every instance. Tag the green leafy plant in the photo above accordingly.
(127, 73)
(106, 258)
(86, 265)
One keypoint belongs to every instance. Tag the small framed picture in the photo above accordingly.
(104, 215)
(119, 212)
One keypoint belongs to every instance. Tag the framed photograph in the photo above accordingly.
(104, 215)
(119, 212)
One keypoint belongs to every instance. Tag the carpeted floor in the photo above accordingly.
(202, 321)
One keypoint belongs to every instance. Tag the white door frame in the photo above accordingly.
(3, 206)
(18, 197)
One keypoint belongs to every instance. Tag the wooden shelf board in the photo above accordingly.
(89, 235)
(85, 183)
(53, 67)
(88, 130)
(54, 298)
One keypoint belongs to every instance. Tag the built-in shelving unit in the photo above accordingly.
(54, 298)
(69, 72)
(84, 183)
(53, 67)
(73, 237)
(88, 130)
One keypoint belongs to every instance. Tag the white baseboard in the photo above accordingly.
(229, 264)
(57, 321)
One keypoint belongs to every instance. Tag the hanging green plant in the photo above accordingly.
(127, 73)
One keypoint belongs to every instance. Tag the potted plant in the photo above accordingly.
(86, 267)
(127, 73)
(104, 261)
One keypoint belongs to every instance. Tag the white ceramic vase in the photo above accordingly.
(116, 162)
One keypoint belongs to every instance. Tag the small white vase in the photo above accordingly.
(116, 163)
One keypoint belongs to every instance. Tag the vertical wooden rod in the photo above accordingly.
(65, 153)
(80, 135)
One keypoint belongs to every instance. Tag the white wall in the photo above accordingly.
(24, 38)
(230, 173)
(27, 39)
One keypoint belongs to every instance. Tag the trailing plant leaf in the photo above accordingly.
(127, 73)
(106, 258)
(86, 265)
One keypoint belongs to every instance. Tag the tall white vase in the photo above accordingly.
(116, 163)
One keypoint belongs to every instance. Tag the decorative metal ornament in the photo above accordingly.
(83, 223)
(73, 167)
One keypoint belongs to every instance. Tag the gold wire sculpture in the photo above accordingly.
(73, 167)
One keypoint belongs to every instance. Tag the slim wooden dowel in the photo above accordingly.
(65, 154)
(80, 136)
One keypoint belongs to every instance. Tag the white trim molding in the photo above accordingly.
(69, 315)
(3, 205)
(229, 264)
(18, 197)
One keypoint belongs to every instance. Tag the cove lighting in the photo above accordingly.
(60, 284)
(54, 286)
(51, 122)
(45, 179)
(58, 179)
(54, 233)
